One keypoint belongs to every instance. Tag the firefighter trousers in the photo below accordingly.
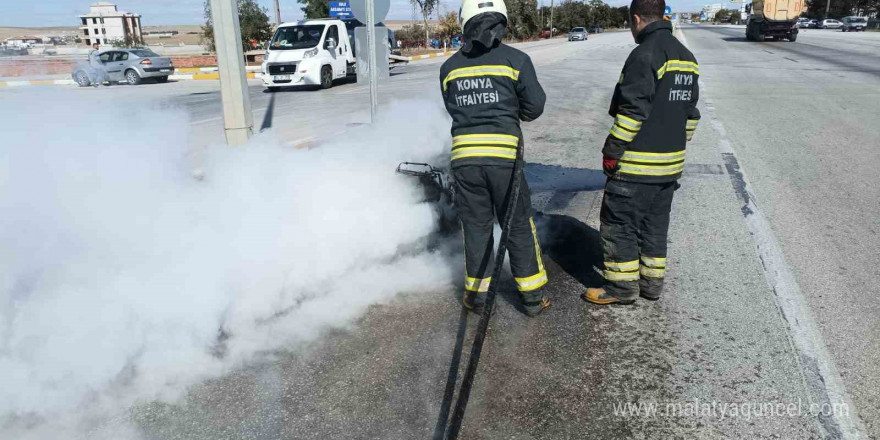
(481, 197)
(634, 222)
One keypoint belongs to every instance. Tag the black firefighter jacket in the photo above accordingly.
(654, 108)
(487, 92)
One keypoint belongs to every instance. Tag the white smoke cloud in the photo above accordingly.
(118, 268)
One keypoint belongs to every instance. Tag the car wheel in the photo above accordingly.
(792, 37)
(132, 77)
(162, 79)
(82, 79)
(326, 77)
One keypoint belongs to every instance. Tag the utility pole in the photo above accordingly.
(277, 13)
(827, 8)
(238, 120)
(371, 45)
(551, 18)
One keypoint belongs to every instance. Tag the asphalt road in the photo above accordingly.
(789, 136)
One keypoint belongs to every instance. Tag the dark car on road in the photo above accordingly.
(856, 24)
(596, 29)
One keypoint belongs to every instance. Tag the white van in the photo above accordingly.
(309, 52)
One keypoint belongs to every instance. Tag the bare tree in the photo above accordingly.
(427, 7)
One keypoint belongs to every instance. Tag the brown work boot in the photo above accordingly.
(598, 295)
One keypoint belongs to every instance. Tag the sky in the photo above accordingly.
(175, 12)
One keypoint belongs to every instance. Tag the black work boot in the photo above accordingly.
(474, 302)
(534, 303)
(650, 288)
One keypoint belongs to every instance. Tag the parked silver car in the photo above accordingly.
(829, 23)
(577, 34)
(127, 65)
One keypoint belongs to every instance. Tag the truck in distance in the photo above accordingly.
(773, 19)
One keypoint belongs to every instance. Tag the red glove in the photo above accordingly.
(609, 165)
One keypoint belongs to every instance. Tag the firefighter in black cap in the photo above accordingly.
(488, 87)
(655, 114)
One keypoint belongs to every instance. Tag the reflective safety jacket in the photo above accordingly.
(654, 108)
(487, 93)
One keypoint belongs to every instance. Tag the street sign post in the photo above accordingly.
(370, 12)
(340, 10)
(380, 9)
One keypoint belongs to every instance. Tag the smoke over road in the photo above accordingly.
(118, 268)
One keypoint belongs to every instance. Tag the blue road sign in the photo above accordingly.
(668, 11)
(340, 10)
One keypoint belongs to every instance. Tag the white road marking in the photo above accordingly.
(817, 365)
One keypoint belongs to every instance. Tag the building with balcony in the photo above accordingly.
(104, 23)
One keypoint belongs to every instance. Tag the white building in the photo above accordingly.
(709, 11)
(104, 24)
(24, 41)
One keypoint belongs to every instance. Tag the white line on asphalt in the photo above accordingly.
(817, 365)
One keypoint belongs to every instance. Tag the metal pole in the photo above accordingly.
(551, 18)
(277, 12)
(238, 120)
(827, 8)
(371, 42)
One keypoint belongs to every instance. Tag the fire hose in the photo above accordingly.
(467, 383)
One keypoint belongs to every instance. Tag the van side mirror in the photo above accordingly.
(330, 44)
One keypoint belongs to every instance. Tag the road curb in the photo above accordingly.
(37, 82)
(431, 55)
(210, 69)
(212, 76)
(207, 75)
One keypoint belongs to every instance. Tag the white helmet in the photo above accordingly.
(472, 8)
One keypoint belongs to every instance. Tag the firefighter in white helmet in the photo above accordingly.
(488, 87)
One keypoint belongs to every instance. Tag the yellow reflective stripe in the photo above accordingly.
(626, 266)
(650, 170)
(533, 282)
(484, 151)
(690, 134)
(492, 136)
(642, 156)
(646, 271)
(537, 245)
(536, 281)
(678, 66)
(627, 123)
(692, 123)
(654, 262)
(621, 276)
(620, 80)
(484, 70)
(486, 139)
(477, 284)
(622, 134)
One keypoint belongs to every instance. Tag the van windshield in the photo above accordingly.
(857, 20)
(297, 37)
